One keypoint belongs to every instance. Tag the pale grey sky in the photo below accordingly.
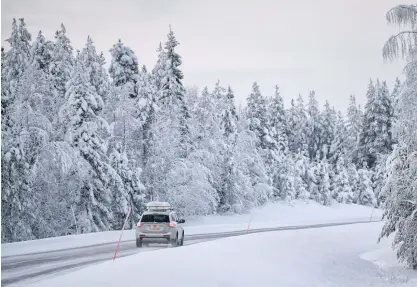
(331, 46)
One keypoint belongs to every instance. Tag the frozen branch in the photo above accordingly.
(399, 44)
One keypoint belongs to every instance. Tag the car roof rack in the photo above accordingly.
(158, 206)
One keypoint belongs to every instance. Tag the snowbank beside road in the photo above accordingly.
(315, 257)
(386, 261)
(271, 215)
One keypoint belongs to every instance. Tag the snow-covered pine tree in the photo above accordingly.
(134, 189)
(366, 195)
(354, 128)
(124, 68)
(303, 176)
(31, 137)
(16, 170)
(16, 61)
(254, 183)
(229, 117)
(338, 147)
(297, 122)
(367, 135)
(281, 167)
(329, 120)
(145, 111)
(383, 120)
(395, 96)
(41, 53)
(256, 114)
(62, 61)
(340, 182)
(401, 186)
(94, 63)
(82, 108)
(322, 183)
(376, 139)
(314, 127)
(278, 121)
(230, 99)
(186, 182)
(158, 72)
(5, 92)
(173, 92)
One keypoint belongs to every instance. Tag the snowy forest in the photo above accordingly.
(82, 144)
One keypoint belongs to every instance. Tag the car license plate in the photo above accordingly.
(154, 227)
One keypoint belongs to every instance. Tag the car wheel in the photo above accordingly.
(174, 243)
(182, 239)
(138, 242)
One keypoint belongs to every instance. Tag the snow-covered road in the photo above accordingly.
(325, 257)
(33, 260)
(33, 267)
(269, 216)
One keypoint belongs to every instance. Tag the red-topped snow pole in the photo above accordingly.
(120, 238)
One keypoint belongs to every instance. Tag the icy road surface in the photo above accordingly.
(270, 215)
(325, 257)
(23, 269)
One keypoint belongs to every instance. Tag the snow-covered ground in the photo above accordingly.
(327, 257)
(386, 261)
(271, 215)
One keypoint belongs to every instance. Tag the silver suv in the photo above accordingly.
(159, 224)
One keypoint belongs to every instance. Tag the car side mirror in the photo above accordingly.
(181, 220)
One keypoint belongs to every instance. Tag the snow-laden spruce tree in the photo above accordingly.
(321, 191)
(186, 182)
(229, 117)
(297, 121)
(47, 201)
(302, 176)
(354, 127)
(365, 195)
(94, 63)
(62, 61)
(4, 86)
(313, 127)
(338, 147)
(172, 100)
(256, 115)
(395, 94)
(158, 72)
(338, 162)
(133, 186)
(146, 108)
(16, 169)
(254, 188)
(124, 68)
(367, 135)
(41, 53)
(281, 169)
(278, 120)
(83, 107)
(16, 61)
(341, 186)
(376, 138)
(401, 185)
(211, 147)
(328, 119)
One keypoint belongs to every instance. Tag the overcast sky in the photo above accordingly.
(331, 46)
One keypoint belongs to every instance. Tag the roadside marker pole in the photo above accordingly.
(370, 218)
(120, 238)
(247, 230)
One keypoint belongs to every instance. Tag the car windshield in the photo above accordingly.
(161, 218)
